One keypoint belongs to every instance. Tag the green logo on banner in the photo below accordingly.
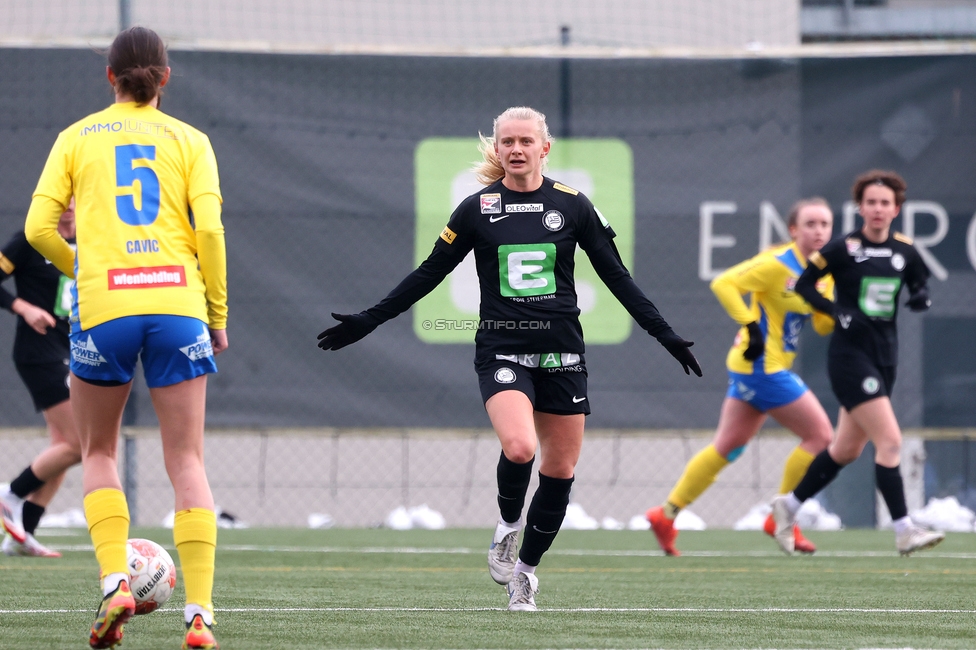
(602, 169)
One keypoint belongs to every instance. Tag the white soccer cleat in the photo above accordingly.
(784, 524)
(917, 539)
(10, 546)
(521, 592)
(13, 515)
(503, 552)
(33, 548)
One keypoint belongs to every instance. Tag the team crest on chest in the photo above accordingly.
(553, 220)
(491, 204)
(898, 261)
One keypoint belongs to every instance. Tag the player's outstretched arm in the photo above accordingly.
(423, 280)
(608, 265)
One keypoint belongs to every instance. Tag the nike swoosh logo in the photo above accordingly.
(494, 219)
(577, 400)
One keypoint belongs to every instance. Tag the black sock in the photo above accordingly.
(25, 483)
(32, 516)
(892, 489)
(544, 518)
(513, 482)
(821, 472)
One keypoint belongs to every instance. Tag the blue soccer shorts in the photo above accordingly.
(172, 349)
(765, 392)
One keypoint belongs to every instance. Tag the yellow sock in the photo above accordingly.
(700, 472)
(107, 514)
(797, 464)
(195, 535)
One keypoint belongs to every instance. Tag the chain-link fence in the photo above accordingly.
(281, 477)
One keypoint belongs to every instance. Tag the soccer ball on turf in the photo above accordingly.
(152, 574)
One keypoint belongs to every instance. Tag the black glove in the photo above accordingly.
(678, 347)
(919, 300)
(757, 343)
(350, 329)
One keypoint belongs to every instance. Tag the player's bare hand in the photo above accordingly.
(38, 319)
(218, 339)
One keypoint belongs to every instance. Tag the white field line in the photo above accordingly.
(407, 550)
(554, 610)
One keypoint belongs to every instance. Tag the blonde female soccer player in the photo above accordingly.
(150, 281)
(761, 383)
(524, 229)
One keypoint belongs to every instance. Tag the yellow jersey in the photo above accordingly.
(781, 312)
(135, 172)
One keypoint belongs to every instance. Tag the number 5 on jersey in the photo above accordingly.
(127, 174)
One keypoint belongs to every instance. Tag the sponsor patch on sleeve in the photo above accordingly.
(147, 277)
(565, 188)
(818, 260)
(448, 235)
(6, 265)
(905, 239)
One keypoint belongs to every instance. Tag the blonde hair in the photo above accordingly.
(490, 168)
(794, 213)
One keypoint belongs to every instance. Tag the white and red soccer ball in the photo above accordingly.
(152, 574)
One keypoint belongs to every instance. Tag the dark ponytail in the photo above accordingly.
(138, 59)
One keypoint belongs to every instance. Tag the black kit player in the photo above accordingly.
(524, 229)
(41, 351)
(870, 267)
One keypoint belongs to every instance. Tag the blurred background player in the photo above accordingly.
(42, 305)
(524, 229)
(151, 284)
(760, 380)
(870, 266)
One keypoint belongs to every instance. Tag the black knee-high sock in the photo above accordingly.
(513, 482)
(25, 483)
(892, 488)
(544, 518)
(32, 516)
(821, 472)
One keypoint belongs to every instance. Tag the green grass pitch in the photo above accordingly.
(300, 589)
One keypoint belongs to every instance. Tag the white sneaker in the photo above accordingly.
(917, 539)
(11, 547)
(521, 592)
(784, 524)
(33, 548)
(503, 552)
(13, 515)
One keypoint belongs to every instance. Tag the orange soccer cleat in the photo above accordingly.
(114, 612)
(199, 635)
(801, 543)
(664, 530)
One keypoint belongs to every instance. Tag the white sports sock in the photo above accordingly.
(521, 567)
(192, 610)
(902, 525)
(111, 582)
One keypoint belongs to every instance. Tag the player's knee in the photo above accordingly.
(519, 452)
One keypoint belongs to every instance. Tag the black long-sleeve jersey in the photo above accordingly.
(868, 278)
(40, 284)
(525, 245)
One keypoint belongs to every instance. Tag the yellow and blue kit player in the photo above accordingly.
(761, 381)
